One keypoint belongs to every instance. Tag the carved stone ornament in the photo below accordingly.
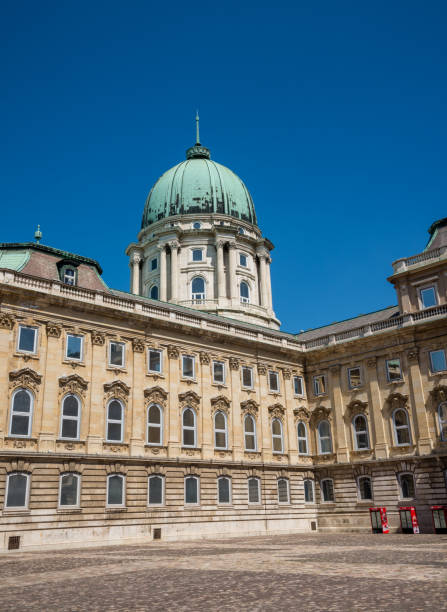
(204, 358)
(262, 368)
(71, 466)
(221, 403)
(322, 412)
(116, 389)
(98, 338)
(173, 352)
(72, 384)
(250, 406)
(156, 395)
(371, 362)
(6, 320)
(439, 393)
(25, 378)
(234, 363)
(413, 355)
(19, 466)
(138, 345)
(286, 373)
(276, 411)
(302, 414)
(53, 329)
(189, 398)
(396, 400)
(357, 407)
(335, 369)
(116, 468)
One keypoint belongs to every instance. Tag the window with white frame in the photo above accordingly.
(309, 491)
(153, 292)
(393, 370)
(219, 372)
(277, 439)
(254, 491)
(115, 421)
(224, 490)
(117, 354)
(442, 418)
(283, 490)
(116, 490)
(74, 346)
(320, 384)
(243, 260)
(220, 430)
(22, 404)
(428, 296)
(69, 275)
(192, 490)
(27, 339)
(250, 433)
(365, 488)
(69, 490)
(361, 437)
(198, 288)
(154, 425)
(273, 381)
(155, 490)
(189, 432)
(407, 489)
(303, 446)
(437, 361)
(324, 438)
(197, 255)
(17, 490)
(327, 490)
(354, 377)
(244, 293)
(188, 366)
(298, 386)
(155, 361)
(247, 377)
(154, 263)
(70, 417)
(401, 427)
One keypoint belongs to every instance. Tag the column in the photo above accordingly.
(268, 280)
(163, 288)
(339, 431)
(220, 270)
(136, 258)
(422, 435)
(377, 420)
(262, 280)
(174, 270)
(232, 270)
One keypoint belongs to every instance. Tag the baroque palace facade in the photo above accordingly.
(180, 410)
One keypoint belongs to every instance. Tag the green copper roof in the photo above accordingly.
(198, 185)
(14, 260)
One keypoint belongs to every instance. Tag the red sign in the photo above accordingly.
(383, 518)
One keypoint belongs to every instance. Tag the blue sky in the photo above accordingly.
(333, 113)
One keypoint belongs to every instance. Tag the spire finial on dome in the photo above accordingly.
(197, 128)
(198, 151)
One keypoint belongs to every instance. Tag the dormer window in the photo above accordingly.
(69, 276)
(428, 297)
(68, 273)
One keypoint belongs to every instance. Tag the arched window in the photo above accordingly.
(115, 418)
(324, 438)
(115, 490)
(442, 416)
(365, 487)
(249, 433)
(254, 491)
(155, 492)
(401, 427)
(154, 425)
(69, 489)
(70, 417)
(21, 413)
(283, 491)
(309, 491)
(153, 293)
(360, 432)
(198, 288)
(407, 488)
(327, 490)
(220, 430)
(277, 441)
(17, 490)
(189, 433)
(244, 292)
(303, 447)
(224, 490)
(192, 490)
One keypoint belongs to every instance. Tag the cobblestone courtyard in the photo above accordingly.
(301, 572)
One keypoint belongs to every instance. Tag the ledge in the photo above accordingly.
(69, 510)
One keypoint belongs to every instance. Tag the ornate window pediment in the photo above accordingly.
(357, 407)
(157, 395)
(250, 406)
(72, 384)
(26, 377)
(396, 400)
(221, 403)
(321, 412)
(439, 393)
(189, 398)
(302, 414)
(276, 411)
(116, 389)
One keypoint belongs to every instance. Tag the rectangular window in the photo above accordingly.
(197, 255)
(298, 386)
(428, 297)
(116, 354)
(155, 493)
(437, 361)
(27, 339)
(393, 370)
(191, 490)
(327, 490)
(273, 381)
(219, 372)
(243, 260)
(308, 491)
(354, 378)
(283, 491)
(253, 491)
(155, 359)
(188, 366)
(154, 263)
(247, 377)
(74, 347)
(320, 385)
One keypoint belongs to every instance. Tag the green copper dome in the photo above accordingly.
(198, 185)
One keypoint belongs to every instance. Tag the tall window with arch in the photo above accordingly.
(153, 292)
(442, 418)
(198, 288)
(361, 436)
(324, 438)
(21, 413)
(401, 427)
(407, 488)
(189, 431)
(277, 437)
(244, 292)
(250, 433)
(70, 417)
(365, 488)
(115, 421)
(303, 445)
(17, 490)
(154, 425)
(220, 430)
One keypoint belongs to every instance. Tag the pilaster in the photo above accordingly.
(420, 417)
(381, 450)
(341, 445)
(136, 400)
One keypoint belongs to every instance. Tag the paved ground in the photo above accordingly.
(341, 572)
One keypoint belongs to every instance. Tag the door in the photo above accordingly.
(376, 521)
(439, 520)
(405, 521)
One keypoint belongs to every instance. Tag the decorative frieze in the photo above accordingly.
(6, 320)
(98, 337)
(26, 377)
(54, 329)
(138, 345)
(72, 384)
(286, 373)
